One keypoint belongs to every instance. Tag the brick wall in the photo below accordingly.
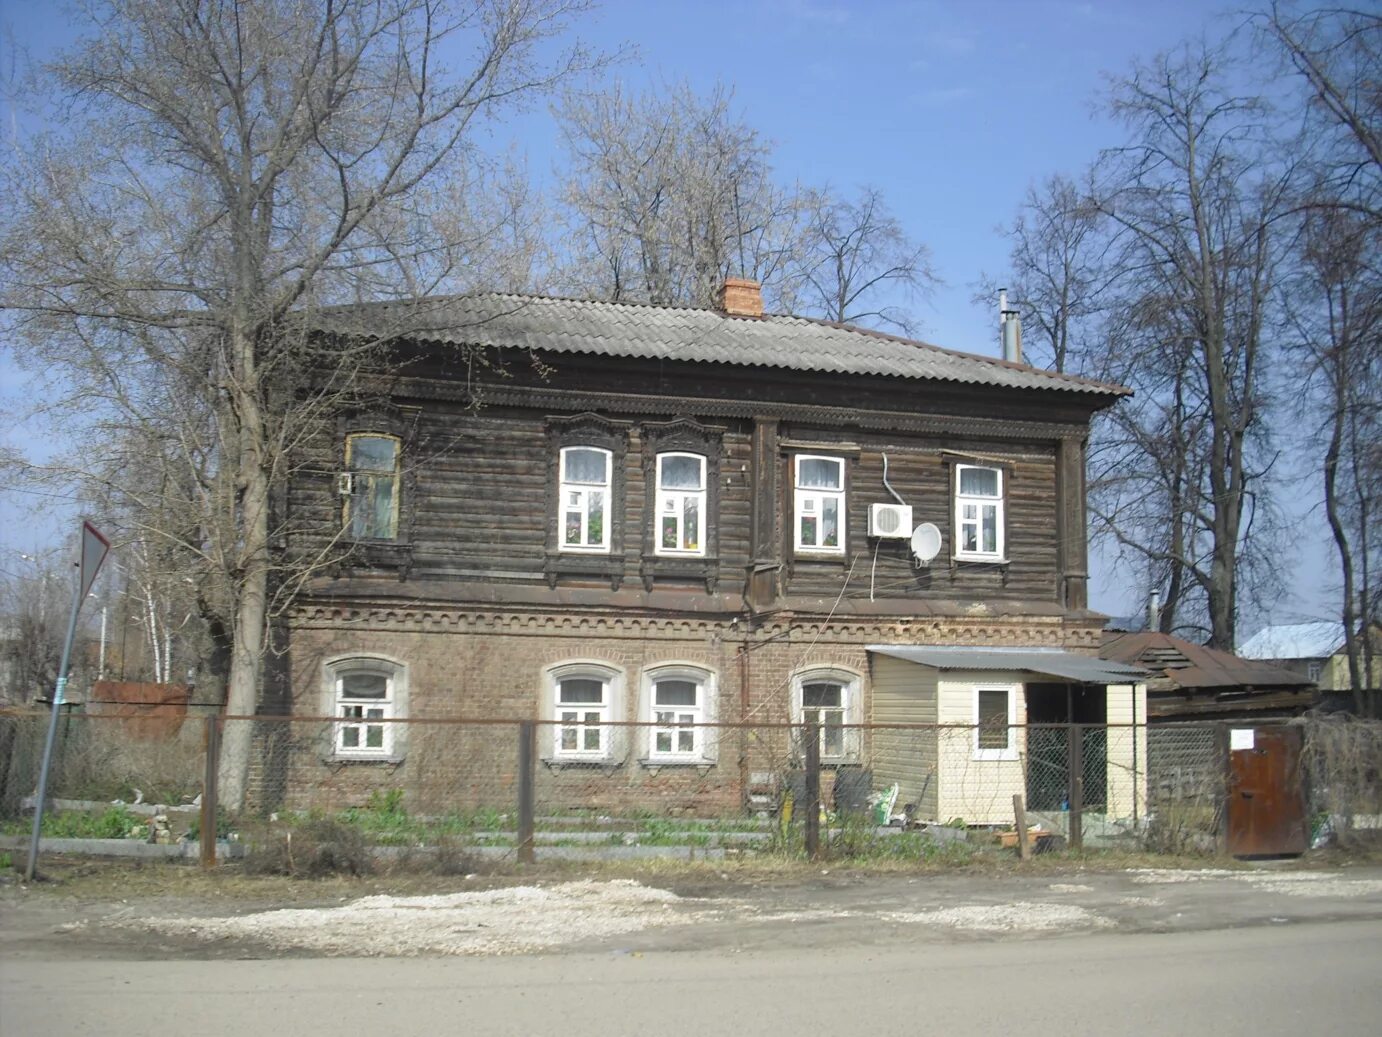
(486, 666)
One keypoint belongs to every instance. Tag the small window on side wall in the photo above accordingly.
(994, 716)
(584, 499)
(372, 490)
(819, 504)
(979, 520)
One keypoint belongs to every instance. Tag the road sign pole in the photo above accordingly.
(53, 731)
(94, 548)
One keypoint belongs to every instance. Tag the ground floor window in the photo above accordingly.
(995, 714)
(366, 703)
(679, 701)
(828, 698)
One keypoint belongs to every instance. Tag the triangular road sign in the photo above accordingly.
(94, 550)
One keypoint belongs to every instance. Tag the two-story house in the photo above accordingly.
(631, 523)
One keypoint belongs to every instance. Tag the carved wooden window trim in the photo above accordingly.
(682, 436)
(954, 461)
(601, 433)
(800, 498)
(391, 421)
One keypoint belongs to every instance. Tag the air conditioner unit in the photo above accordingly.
(890, 520)
(344, 484)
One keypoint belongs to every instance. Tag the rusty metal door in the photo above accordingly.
(1266, 794)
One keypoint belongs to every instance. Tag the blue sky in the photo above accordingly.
(951, 109)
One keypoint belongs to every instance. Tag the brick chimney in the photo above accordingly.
(740, 297)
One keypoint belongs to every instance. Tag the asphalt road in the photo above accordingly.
(1298, 978)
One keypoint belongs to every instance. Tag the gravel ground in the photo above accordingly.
(1006, 918)
(517, 920)
(702, 911)
(1292, 883)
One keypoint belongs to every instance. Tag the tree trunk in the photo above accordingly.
(251, 613)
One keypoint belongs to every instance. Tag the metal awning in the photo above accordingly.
(1049, 662)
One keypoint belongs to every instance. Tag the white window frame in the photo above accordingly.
(811, 501)
(850, 685)
(360, 478)
(703, 712)
(365, 711)
(581, 713)
(677, 499)
(1008, 752)
(980, 502)
(582, 490)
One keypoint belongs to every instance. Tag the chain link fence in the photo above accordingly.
(580, 786)
(127, 777)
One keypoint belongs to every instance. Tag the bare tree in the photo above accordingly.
(1336, 51)
(667, 193)
(35, 598)
(856, 260)
(1333, 296)
(1060, 271)
(222, 167)
(1335, 304)
(1193, 200)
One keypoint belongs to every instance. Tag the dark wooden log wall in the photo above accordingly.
(476, 499)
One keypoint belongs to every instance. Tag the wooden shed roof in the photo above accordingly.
(1191, 666)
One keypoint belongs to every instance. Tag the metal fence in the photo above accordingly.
(534, 788)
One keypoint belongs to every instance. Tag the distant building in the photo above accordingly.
(1315, 650)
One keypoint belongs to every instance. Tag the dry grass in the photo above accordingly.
(233, 884)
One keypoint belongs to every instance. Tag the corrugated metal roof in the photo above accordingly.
(1050, 662)
(1317, 640)
(649, 332)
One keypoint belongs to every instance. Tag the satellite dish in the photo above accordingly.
(926, 543)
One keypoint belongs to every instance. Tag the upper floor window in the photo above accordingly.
(680, 504)
(585, 496)
(819, 512)
(372, 491)
(979, 512)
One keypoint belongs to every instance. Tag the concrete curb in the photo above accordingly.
(122, 848)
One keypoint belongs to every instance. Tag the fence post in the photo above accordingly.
(527, 765)
(812, 733)
(210, 791)
(1024, 849)
(1075, 761)
(1225, 769)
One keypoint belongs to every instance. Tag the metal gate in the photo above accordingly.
(1266, 793)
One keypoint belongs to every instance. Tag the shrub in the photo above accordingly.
(320, 847)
